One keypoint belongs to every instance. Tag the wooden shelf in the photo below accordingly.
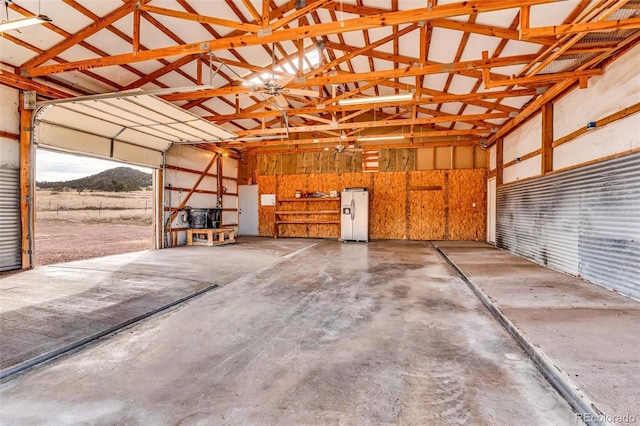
(331, 216)
(312, 222)
(307, 211)
(289, 200)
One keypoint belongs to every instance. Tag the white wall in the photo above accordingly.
(617, 88)
(614, 138)
(230, 169)
(187, 157)
(525, 169)
(492, 153)
(10, 123)
(523, 140)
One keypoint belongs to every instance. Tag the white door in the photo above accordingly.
(491, 210)
(248, 210)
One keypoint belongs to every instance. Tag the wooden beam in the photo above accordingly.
(298, 13)
(633, 109)
(534, 80)
(12, 80)
(486, 30)
(88, 13)
(165, 70)
(547, 138)
(26, 214)
(136, 30)
(499, 161)
(523, 158)
(204, 173)
(265, 13)
(586, 27)
(245, 27)
(283, 149)
(378, 123)
(600, 10)
(366, 76)
(87, 31)
(362, 23)
(9, 135)
(253, 113)
(556, 90)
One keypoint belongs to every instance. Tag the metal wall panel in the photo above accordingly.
(584, 221)
(10, 219)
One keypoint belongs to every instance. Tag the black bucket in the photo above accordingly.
(204, 218)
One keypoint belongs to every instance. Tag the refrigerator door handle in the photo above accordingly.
(353, 209)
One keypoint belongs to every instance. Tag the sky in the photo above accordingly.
(55, 166)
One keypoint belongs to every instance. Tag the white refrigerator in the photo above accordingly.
(354, 217)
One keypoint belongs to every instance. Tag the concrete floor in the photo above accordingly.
(378, 333)
(590, 334)
(46, 309)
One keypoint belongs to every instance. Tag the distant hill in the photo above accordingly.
(120, 179)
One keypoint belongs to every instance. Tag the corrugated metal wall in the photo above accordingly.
(9, 219)
(584, 221)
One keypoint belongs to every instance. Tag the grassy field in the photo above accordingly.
(133, 208)
(74, 226)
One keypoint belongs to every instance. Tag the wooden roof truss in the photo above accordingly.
(476, 69)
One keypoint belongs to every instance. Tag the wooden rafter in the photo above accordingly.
(287, 34)
(362, 23)
(378, 123)
(87, 31)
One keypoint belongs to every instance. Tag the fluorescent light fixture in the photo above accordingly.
(20, 23)
(380, 138)
(376, 99)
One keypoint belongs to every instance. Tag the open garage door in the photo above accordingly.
(134, 129)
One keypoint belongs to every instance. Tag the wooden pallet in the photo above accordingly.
(215, 237)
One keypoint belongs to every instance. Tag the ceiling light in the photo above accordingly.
(20, 23)
(376, 99)
(380, 138)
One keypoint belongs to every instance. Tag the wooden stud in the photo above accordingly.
(195, 185)
(26, 186)
(199, 66)
(136, 30)
(158, 209)
(499, 161)
(525, 17)
(547, 138)
(265, 13)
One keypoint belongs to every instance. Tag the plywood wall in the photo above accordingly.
(422, 205)
(266, 185)
(467, 205)
(427, 205)
(310, 163)
(388, 216)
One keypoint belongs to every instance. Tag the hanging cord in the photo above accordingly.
(6, 10)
